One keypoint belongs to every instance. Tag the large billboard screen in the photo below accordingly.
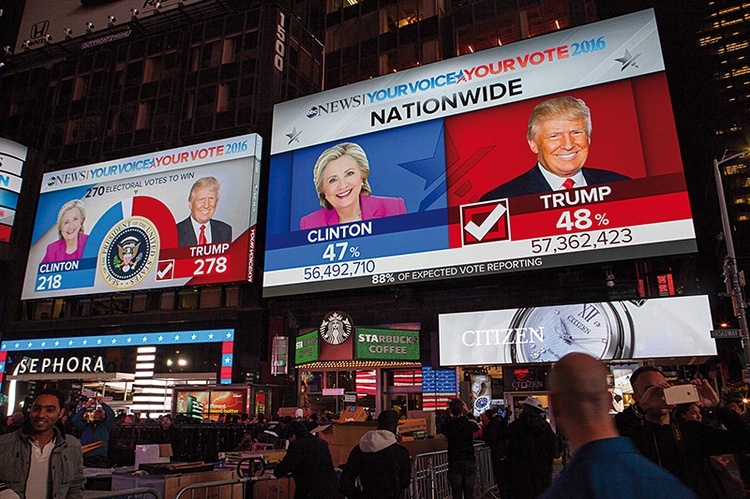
(618, 330)
(12, 159)
(172, 218)
(94, 22)
(455, 186)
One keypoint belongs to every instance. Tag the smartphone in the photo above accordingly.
(681, 394)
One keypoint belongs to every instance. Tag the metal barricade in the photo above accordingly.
(221, 489)
(263, 487)
(137, 493)
(485, 484)
(429, 478)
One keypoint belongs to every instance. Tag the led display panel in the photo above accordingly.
(171, 218)
(618, 330)
(12, 159)
(455, 187)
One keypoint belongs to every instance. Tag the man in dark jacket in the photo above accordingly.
(495, 436)
(681, 448)
(531, 450)
(382, 465)
(462, 468)
(309, 461)
(95, 430)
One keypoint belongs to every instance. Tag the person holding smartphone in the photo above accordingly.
(95, 430)
(682, 448)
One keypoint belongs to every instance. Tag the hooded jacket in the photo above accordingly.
(65, 464)
(382, 465)
(531, 450)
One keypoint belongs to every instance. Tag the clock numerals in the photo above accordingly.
(588, 312)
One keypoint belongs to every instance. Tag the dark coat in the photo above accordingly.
(220, 233)
(383, 472)
(309, 462)
(459, 432)
(683, 449)
(533, 182)
(531, 450)
(495, 436)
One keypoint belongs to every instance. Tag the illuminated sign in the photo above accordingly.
(171, 218)
(30, 365)
(12, 158)
(619, 330)
(452, 187)
(135, 340)
(386, 344)
(198, 403)
(306, 348)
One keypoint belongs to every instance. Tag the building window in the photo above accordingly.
(187, 299)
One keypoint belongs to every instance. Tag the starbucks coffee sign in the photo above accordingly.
(387, 344)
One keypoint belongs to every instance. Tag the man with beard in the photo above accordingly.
(39, 460)
(682, 448)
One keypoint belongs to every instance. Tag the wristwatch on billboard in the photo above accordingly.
(546, 334)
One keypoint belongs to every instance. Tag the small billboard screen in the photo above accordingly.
(12, 159)
(618, 330)
(434, 173)
(171, 218)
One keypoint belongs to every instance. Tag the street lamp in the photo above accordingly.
(735, 281)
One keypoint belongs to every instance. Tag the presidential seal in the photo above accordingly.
(128, 253)
(336, 328)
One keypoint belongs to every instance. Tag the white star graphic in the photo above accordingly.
(85, 342)
(5, 346)
(17, 345)
(57, 343)
(177, 337)
(161, 337)
(99, 341)
(193, 336)
(29, 345)
(211, 336)
(129, 339)
(114, 341)
(229, 335)
(44, 343)
(70, 342)
(145, 339)
(226, 360)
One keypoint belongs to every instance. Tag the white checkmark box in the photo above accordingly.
(479, 231)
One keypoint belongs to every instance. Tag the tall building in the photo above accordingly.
(725, 37)
(198, 71)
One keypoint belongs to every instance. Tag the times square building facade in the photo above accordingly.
(194, 73)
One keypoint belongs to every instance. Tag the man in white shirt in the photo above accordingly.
(559, 133)
(40, 461)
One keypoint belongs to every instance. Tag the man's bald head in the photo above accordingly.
(579, 386)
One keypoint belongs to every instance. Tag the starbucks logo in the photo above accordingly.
(336, 328)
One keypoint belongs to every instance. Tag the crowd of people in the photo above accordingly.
(651, 449)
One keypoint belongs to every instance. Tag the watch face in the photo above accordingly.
(547, 334)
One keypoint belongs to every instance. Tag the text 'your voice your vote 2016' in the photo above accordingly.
(185, 216)
(431, 173)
